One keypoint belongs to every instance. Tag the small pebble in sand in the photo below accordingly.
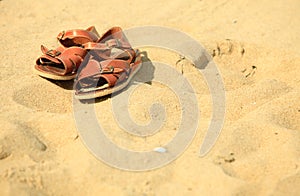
(160, 149)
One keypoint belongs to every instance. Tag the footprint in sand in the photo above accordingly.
(44, 96)
(248, 98)
(32, 175)
(228, 47)
(288, 186)
(246, 152)
(19, 139)
(20, 143)
(236, 61)
(4, 152)
(255, 113)
(288, 116)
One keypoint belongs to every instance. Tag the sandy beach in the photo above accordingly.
(256, 46)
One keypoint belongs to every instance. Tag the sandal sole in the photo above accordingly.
(52, 76)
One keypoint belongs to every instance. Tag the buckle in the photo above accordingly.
(53, 53)
(61, 35)
(105, 71)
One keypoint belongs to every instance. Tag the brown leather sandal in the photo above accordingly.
(63, 62)
(110, 67)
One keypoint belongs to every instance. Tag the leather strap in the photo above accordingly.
(109, 44)
(78, 37)
(110, 70)
(61, 61)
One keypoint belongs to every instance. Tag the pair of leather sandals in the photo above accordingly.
(100, 65)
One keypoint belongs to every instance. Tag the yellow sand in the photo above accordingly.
(257, 152)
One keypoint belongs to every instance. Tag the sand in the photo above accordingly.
(257, 152)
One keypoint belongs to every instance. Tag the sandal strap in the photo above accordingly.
(107, 45)
(110, 70)
(114, 38)
(69, 58)
(78, 37)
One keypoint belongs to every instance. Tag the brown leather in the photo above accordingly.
(66, 59)
(78, 37)
(110, 70)
(61, 61)
(114, 38)
(112, 60)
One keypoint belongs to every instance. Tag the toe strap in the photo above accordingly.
(107, 72)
